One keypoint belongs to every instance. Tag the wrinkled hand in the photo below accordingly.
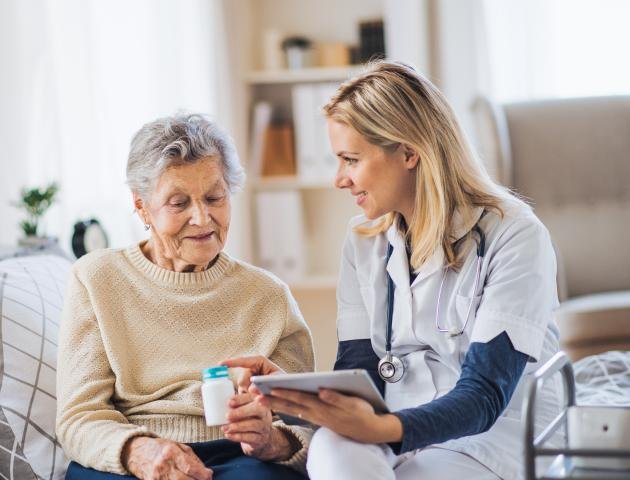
(250, 424)
(349, 416)
(254, 365)
(160, 459)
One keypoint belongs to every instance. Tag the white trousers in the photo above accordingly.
(332, 456)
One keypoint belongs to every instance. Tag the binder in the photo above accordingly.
(277, 156)
(261, 120)
(314, 158)
(305, 121)
(280, 226)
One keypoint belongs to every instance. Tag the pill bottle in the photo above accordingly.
(216, 391)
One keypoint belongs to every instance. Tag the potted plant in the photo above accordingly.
(297, 49)
(35, 201)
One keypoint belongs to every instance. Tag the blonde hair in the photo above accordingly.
(391, 105)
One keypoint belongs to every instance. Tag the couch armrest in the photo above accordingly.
(594, 323)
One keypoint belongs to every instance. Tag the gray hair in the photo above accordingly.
(179, 140)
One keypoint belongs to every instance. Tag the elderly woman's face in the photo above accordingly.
(189, 214)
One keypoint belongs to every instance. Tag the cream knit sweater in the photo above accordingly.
(134, 338)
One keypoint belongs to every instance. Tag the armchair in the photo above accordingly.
(571, 159)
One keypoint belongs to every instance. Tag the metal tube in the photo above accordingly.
(547, 432)
(559, 362)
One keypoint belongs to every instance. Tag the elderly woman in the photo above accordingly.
(140, 324)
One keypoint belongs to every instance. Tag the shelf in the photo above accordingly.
(562, 469)
(313, 74)
(314, 282)
(290, 182)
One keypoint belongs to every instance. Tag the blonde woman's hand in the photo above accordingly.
(346, 415)
(254, 365)
(250, 424)
(157, 459)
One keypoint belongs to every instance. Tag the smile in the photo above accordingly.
(361, 197)
(202, 237)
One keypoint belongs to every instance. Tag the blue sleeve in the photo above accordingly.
(489, 377)
(359, 354)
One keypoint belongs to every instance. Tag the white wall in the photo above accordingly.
(407, 33)
(233, 33)
(460, 71)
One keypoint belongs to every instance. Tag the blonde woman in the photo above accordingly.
(445, 296)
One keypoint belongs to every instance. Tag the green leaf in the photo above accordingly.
(35, 201)
(28, 228)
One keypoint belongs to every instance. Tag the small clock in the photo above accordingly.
(88, 236)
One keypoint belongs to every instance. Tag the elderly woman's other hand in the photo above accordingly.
(254, 365)
(250, 423)
(156, 458)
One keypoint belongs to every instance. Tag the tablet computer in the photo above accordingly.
(350, 382)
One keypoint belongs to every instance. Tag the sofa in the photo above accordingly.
(570, 158)
(31, 298)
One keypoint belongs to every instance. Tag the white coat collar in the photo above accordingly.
(462, 225)
(398, 265)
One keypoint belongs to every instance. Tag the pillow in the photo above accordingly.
(31, 298)
(13, 464)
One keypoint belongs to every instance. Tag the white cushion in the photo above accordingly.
(31, 298)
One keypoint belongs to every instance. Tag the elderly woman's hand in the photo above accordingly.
(157, 458)
(250, 421)
(250, 424)
(254, 365)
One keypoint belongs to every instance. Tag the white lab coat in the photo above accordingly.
(516, 294)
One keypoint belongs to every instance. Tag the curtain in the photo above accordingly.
(556, 48)
(79, 78)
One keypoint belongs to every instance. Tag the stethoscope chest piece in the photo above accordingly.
(391, 368)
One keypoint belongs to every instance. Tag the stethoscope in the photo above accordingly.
(390, 367)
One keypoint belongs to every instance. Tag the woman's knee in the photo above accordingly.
(326, 443)
(325, 452)
(331, 455)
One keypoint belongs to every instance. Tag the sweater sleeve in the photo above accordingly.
(91, 431)
(489, 377)
(294, 353)
(359, 353)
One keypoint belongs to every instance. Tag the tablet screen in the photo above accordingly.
(349, 382)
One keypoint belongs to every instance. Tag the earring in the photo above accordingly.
(147, 226)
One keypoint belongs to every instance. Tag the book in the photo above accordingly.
(314, 158)
(277, 152)
(372, 40)
(280, 229)
(261, 120)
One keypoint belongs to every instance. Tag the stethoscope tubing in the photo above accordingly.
(389, 358)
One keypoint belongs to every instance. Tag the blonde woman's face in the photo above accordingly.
(381, 182)
(189, 214)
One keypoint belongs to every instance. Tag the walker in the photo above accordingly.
(596, 446)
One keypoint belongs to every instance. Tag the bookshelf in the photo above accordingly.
(313, 74)
(322, 212)
(289, 182)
